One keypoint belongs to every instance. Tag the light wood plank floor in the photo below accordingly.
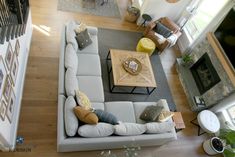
(38, 119)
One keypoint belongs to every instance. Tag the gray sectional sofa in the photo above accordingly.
(88, 79)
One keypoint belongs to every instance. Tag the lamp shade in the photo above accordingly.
(172, 1)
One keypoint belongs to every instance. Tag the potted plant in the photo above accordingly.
(213, 146)
(225, 143)
(187, 60)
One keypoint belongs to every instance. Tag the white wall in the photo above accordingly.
(160, 8)
(8, 130)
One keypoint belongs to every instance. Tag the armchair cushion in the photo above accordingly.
(163, 30)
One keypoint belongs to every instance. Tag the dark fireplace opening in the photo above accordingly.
(204, 74)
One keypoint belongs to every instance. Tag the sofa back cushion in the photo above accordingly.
(70, 119)
(71, 83)
(70, 58)
(98, 130)
(129, 129)
(158, 128)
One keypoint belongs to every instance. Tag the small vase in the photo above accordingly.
(213, 146)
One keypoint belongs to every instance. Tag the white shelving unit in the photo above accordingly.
(8, 131)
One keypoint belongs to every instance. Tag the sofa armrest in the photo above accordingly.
(92, 30)
(149, 28)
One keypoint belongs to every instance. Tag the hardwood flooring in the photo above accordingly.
(38, 118)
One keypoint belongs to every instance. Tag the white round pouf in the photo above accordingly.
(208, 121)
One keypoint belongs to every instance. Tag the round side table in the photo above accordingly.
(208, 121)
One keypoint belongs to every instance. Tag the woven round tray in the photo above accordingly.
(129, 62)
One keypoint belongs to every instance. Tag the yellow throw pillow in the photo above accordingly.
(85, 115)
(83, 100)
(165, 115)
(80, 28)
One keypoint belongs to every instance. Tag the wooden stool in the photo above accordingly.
(179, 122)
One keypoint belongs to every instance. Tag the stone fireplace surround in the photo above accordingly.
(215, 94)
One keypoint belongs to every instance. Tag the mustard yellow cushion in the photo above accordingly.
(85, 115)
(83, 100)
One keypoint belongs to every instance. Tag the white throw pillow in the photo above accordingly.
(161, 39)
(98, 130)
(71, 58)
(157, 128)
(70, 119)
(127, 129)
(172, 39)
(71, 83)
(70, 34)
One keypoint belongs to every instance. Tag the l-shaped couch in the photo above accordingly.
(87, 77)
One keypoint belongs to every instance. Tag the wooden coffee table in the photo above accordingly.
(145, 79)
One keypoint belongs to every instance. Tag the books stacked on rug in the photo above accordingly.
(199, 101)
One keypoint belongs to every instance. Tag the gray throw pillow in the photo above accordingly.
(106, 117)
(163, 30)
(151, 113)
(83, 39)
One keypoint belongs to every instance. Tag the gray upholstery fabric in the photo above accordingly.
(71, 84)
(123, 110)
(70, 119)
(88, 65)
(98, 130)
(92, 86)
(97, 105)
(70, 58)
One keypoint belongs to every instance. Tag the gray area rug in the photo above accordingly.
(109, 9)
(127, 41)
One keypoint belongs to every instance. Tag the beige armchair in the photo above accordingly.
(161, 42)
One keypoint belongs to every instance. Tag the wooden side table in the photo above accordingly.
(179, 122)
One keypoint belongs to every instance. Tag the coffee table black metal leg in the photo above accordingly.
(150, 92)
(107, 58)
(133, 90)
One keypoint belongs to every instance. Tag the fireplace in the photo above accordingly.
(204, 74)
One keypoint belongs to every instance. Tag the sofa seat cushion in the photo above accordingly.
(129, 129)
(139, 107)
(98, 130)
(92, 86)
(92, 48)
(97, 105)
(123, 110)
(88, 64)
(70, 119)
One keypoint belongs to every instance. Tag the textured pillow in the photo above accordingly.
(70, 119)
(80, 28)
(157, 128)
(164, 116)
(151, 113)
(126, 129)
(163, 30)
(71, 83)
(83, 100)
(83, 39)
(98, 130)
(85, 115)
(70, 58)
(106, 117)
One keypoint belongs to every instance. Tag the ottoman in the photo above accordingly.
(146, 45)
